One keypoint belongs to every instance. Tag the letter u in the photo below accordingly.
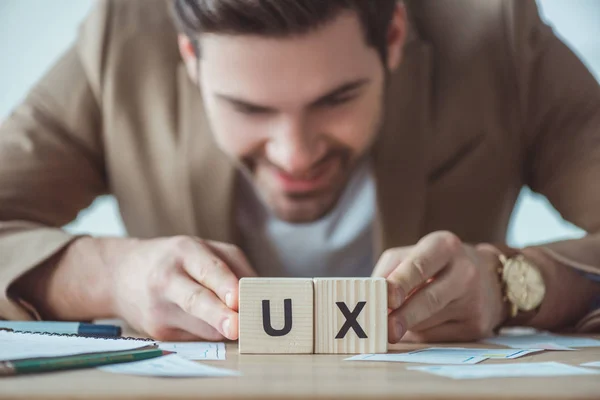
(287, 316)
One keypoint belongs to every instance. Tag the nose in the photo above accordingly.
(293, 147)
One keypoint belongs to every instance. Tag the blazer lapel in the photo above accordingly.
(400, 154)
(209, 175)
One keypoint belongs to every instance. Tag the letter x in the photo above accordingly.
(351, 321)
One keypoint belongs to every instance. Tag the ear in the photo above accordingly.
(397, 37)
(188, 54)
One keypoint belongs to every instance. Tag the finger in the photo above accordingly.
(201, 303)
(452, 331)
(431, 300)
(457, 310)
(450, 313)
(180, 335)
(389, 260)
(209, 270)
(234, 257)
(175, 335)
(237, 262)
(431, 255)
(195, 327)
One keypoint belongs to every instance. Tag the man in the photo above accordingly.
(304, 138)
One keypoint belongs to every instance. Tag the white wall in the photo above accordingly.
(34, 32)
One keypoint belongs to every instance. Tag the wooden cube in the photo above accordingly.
(350, 315)
(276, 315)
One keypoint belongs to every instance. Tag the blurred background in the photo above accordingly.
(34, 32)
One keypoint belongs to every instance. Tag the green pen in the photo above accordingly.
(89, 360)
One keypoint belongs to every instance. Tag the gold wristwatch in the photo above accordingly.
(523, 287)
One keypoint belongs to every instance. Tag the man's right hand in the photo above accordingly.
(178, 288)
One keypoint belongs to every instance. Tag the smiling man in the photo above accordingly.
(304, 138)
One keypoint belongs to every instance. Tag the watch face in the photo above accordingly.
(524, 283)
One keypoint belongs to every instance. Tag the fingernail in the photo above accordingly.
(226, 325)
(229, 300)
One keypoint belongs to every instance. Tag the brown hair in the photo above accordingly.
(281, 18)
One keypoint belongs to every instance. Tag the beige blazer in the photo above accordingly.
(487, 100)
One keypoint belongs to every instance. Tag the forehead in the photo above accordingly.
(276, 68)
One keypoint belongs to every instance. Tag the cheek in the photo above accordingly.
(355, 125)
(234, 134)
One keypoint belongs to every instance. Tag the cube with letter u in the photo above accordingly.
(276, 315)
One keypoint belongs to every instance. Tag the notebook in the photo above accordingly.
(20, 345)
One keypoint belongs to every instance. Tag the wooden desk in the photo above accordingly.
(314, 376)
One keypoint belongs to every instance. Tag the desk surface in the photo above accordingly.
(315, 376)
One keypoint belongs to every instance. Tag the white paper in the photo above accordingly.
(539, 339)
(520, 370)
(17, 345)
(419, 358)
(592, 364)
(552, 346)
(485, 353)
(168, 366)
(446, 355)
(38, 326)
(196, 350)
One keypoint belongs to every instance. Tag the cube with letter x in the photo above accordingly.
(350, 315)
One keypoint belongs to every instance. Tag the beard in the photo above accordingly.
(303, 206)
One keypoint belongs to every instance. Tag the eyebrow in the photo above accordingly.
(336, 92)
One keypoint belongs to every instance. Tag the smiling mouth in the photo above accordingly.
(310, 183)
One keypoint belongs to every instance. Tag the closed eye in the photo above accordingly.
(336, 101)
(341, 95)
(250, 109)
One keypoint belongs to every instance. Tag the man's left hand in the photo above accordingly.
(442, 290)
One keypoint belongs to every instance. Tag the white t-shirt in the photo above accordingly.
(339, 244)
